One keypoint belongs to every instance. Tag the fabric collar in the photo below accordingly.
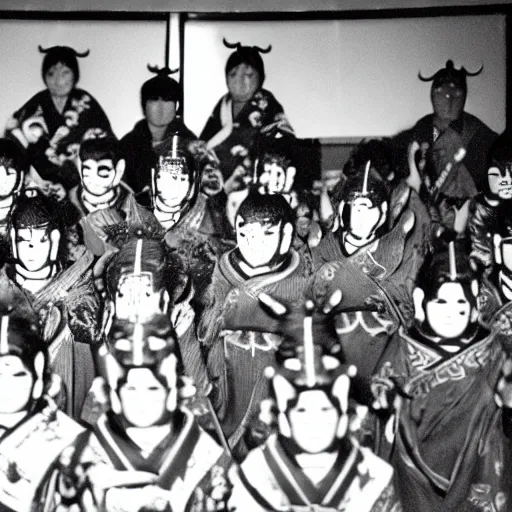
(297, 486)
(168, 459)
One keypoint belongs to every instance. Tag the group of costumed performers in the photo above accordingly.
(184, 327)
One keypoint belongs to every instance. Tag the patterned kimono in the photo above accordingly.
(199, 240)
(100, 225)
(52, 139)
(69, 309)
(359, 481)
(28, 451)
(176, 465)
(237, 358)
(451, 452)
(231, 138)
(392, 262)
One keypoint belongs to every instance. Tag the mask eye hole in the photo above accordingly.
(123, 344)
(155, 344)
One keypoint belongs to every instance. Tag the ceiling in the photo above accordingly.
(243, 6)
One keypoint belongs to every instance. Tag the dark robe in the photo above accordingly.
(51, 139)
(392, 262)
(237, 358)
(451, 451)
(476, 136)
(481, 226)
(141, 156)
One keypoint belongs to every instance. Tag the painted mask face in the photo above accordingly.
(172, 186)
(34, 247)
(500, 182)
(16, 383)
(98, 177)
(313, 421)
(143, 398)
(448, 101)
(449, 313)
(60, 80)
(141, 344)
(8, 181)
(160, 113)
(364, 218)
(243, 81)
(258, 242)
(273, 178)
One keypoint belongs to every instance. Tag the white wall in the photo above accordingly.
(351, 78)
(113, 72)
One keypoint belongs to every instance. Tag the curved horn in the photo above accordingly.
(231, 46)
(83, 54)
(263, 50)
(474, 73)
(43, 50)
(429, 79)
(162, 71)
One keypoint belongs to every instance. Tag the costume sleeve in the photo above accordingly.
(84, 311)
(213, 124)
(479, 230)
(275, 117)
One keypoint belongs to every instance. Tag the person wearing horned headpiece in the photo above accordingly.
(52, 124)
(310, 459)
(452, 143)
(452, 438)
(245, 110)
(147, 452)
(160, 99)
(60, 291)
(33, 432)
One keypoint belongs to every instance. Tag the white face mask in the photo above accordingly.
(500, 184)
(34, 246)
(8, 181)
(172, 188)
(98, 177)
(143, 398)
(313, 421)
(365, 218)
(16, 383)
(273, 179)
(449, 314)
(258, 242)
